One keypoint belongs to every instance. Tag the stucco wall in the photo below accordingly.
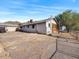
(49, 28)
(9, 29)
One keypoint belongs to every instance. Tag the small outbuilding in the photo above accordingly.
(47, 26)
(9, 27)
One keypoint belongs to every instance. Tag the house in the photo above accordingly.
(9, 27)
(47, 26)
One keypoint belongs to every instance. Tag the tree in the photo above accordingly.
(70, 19)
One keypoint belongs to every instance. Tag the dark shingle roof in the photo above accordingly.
(36, 22)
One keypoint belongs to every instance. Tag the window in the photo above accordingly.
(20, 26)
(49, 24)
(27, 26)
(33, 26)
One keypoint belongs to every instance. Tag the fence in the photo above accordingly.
(75, 34)
(65, 49)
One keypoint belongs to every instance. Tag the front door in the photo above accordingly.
(54, 28)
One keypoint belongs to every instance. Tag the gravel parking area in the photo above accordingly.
(19, 45)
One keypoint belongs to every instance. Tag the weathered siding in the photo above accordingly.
(38, 28)
(30, 29)
(41, 28)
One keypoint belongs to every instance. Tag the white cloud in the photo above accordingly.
(5, 13)
(37, 11)
(32, 12)
(53, 8)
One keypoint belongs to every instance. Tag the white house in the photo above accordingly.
(47, 26)
(9, 27)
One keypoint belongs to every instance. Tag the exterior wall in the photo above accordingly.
(49, 28)
(41, 28)
(9, 29)
(30, 29)
(54, 27)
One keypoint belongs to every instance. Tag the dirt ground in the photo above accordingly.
(19, 45)
(67, 47)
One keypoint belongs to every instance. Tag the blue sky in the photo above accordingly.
(23, 10)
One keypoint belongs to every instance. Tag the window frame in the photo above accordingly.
(48, 24)
(27, 26)
(33, 26)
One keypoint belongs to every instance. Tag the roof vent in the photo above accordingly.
(31, 20)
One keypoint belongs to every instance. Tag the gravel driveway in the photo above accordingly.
(18, 45)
